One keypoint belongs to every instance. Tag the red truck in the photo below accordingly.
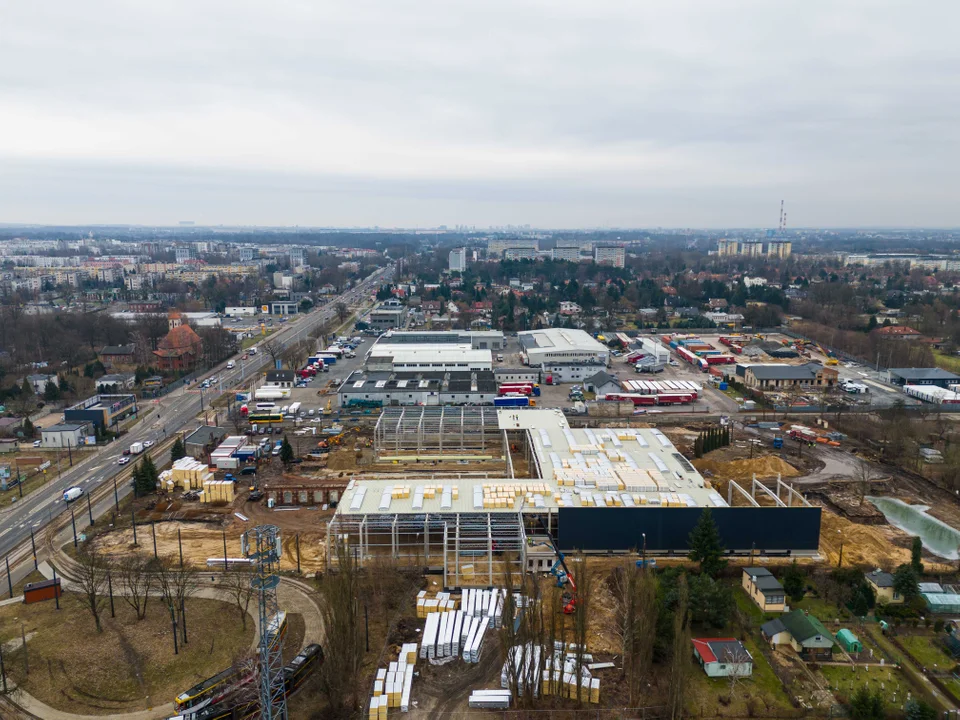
(803, 434)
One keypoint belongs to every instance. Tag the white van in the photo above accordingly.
(230, 365)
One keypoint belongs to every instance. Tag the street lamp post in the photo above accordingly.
(840, 561)
(644, 550)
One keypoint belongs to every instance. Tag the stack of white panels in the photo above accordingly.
(489, 699)
(429, 646)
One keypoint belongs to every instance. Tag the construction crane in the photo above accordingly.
(563, 575)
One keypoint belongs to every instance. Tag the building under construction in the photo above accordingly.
(595, 490)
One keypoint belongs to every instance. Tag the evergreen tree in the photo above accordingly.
(146, 480)
(286, 451)
(178, 450)
(705, 545)
(866, 705)
(919, 710)
(916, 553)
(28, 429)
(63, 384)
(794, 581)
(905, 582)
(26, 388)
(136, 479)
(51, 393)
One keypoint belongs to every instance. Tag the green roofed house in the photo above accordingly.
(801, 631)
(849, 642)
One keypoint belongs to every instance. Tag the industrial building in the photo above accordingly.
(561, 345)
(593, 490)
(468, 339)
(65, 435)
(418, 388)
(414, 358)
(922, 376)
(102, 411)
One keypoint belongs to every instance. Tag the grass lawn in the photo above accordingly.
(825, 611)
(32, 484)
(845, 680)
(947, 362)
(762, 691)
(251, 341)
(926, 651)
(130, 665)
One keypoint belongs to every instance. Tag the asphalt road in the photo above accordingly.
(159, 421)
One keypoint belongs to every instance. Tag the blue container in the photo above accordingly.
(723, 386)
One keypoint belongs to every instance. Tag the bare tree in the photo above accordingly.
(343, 312)
(238, 584)
(581, 621)
(635, 594)
(91, 576)
(680, 651)
(343, 622)
(137, 581)
(176, 583)
(273, 348)
(738, 661)
(863, 475)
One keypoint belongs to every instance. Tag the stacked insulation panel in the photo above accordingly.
(217, 491)
(188, 474)
(393, 684)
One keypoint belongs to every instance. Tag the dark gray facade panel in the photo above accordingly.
(741, 528)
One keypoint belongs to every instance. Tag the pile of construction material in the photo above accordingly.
(505, 495)
(441, 602)
(558, 672)
(186, 473)
(451, 633)
(391, 689)
(489, 699)
(217, 491)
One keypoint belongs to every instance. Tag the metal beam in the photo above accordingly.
(733, 486)
(766, 490)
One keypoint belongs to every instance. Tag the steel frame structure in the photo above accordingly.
(262, 545)
(437, 430)
(470, 548)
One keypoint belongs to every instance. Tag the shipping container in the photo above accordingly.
(42, 590)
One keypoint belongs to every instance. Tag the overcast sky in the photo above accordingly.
(418, 113)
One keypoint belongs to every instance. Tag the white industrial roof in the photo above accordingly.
(431, 353)
(561, 339)
(589, 467)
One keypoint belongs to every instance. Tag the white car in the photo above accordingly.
(148, 443)
(37, 443)
(123, 461)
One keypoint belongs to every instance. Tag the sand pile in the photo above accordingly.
(764, 467)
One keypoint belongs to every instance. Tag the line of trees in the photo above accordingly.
(711, 439)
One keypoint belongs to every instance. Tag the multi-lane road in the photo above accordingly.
(158, 422)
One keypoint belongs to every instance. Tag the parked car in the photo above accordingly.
(37, 443)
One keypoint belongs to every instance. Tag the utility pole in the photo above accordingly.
(116, 495)
(183, 619)
(9, 579)
(90, 510)
(110, 590)
(56, 589)
(180, 545)
(173, 623)
(73, 522)
(133, 521)
(33, 550)
(298, 553)
(153, 528)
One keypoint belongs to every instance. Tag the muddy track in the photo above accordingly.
(451, 698)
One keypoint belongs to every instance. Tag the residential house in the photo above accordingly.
(897, 332)
(882, 584)
(116, 382)
(723, 657)
(764, 589)
(280, 379)
(117, 355)
(801, 631)
(39, 382)
(602, 383)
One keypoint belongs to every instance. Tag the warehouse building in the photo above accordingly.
(461, 387)
(469, 339)
(592, 490)
(922, 376)
(389, 315)
(541, 347)
(570, 371)
(419, 358)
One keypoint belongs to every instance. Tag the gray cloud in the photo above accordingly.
(418, 112)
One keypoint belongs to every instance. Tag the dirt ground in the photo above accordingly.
(882, 546)
(764, 467)
(205, 540)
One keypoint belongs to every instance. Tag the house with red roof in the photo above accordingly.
(723, 657)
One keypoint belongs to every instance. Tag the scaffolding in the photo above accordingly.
(470, 549)
(404, 432)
